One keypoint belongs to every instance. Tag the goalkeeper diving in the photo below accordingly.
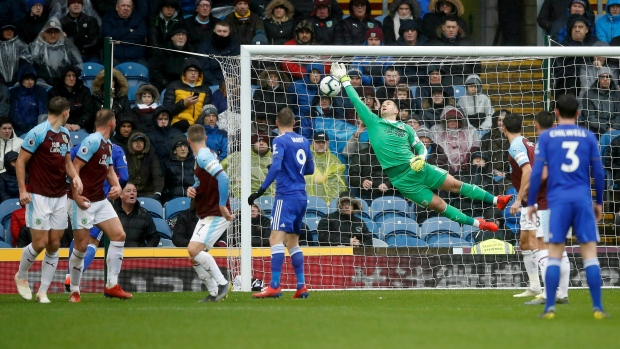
(393, 142)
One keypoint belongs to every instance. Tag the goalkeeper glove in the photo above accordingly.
(417, 163)
(255, 196)
(339, 71)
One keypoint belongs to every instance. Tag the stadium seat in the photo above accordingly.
(6, 209)
(399, 225)
(135, 73)
(374, 228)
(404, 240)
(235, 204)
(214, 88)
(89, 73)
(5, 245)
(265, 203)
(436, 225)
(317, 207)
(606, 139)
(312, 223)
(468, 233)
(77, 137)
(447, 240)
(414, 90)
(165, 243)
(379, 243)
(380, 18)
(459, 91)
(388, 206)
(333, 207)
(131, 95)
(176, 205)
(153, 206)
(6, 232)
(162, 228)
(512, 222)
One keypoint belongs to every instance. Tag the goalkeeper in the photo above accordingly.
(392, 142)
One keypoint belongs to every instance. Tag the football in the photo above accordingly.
(329, 86)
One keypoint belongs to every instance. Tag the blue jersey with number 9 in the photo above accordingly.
(294, 151)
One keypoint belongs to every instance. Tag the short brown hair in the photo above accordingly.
(286, 117)
(103, 117)
(58, 105)
(196, 133)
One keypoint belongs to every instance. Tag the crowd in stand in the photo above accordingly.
(45, 44)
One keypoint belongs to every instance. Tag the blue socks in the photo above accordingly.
(593, 275)
(552, 280)
(297, 258)
(277, 259)
(89, 257)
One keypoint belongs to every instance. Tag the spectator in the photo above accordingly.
(410, 34)
(12, 49)
(326, 25)
(354, 28)
(439, 10)
(476, 106)
(342, 102)
(344, 226)
(147, 100)
(404, 100)
(328, 178)
(184, 225)
(400, 10)
(217, 139)
(120, 88)
(608, 26)
(601, 105)
(372, 68)
(304, 91)
(12, 10)
(178, 170)
(611, 159)
(304, 9)
(322, 107)
(279, 23)
(433, 106)
(449, 34)
(436, 77)
(435, 154)
(167, 16)
(162, 135)
(566, 69)
(588, 73)
(551, 11)
(391, 79)
(137, 222)
(166, 66)
(479, 172)
(367, 94)
(202, 24)
(18, 221)
(125, 125)
(261, 160)
(8, 140)
(29, 27)
(185, 97)
(261, 125)
(28, 100)
(126, 25)
(50, 52)
(304, 35)
(415, 121)
(219, 98)
(81, 115)
(8, 178)
(221, 43)
(495, 144)
(261, 227)
(244, 24)
(83, 30)
(143, 165)
(271, 94)
(560, 30)
(456, 137)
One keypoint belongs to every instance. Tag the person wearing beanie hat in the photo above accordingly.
(410, 34)
(279, 23)
(178, 169)
(354, 28)
(326, 19)
(79, 96)
(344, 226)
(560, 30)
(403, 157)
(244, 23)
(161, 135)
(200, 24)
(399, 11)
(600, 105)
(83, 29)
(167, 15)
(11, 49)
(374, 37)
(166, 66)
(144, 166)
(217, 139)
(28, 100)
(29, 27)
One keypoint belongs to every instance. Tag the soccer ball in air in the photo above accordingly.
(329, 86)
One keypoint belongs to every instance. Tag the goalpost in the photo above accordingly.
(513, 77)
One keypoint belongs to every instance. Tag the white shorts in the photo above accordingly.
(98, 212)
(45, 213)
(540, 225)
(209, 229)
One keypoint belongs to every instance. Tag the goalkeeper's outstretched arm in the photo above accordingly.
(339, 72)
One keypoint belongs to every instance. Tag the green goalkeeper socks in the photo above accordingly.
(454, 214)
(474, 192)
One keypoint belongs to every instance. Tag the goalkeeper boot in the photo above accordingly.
(502, 201)
(488, 226)
(548, 314)
(75, 297)
(222, 291)
(116, 292)
(301, 293)
(68, 283)
(23, 288)
(600, 315)
(269, 293)
(527, 293)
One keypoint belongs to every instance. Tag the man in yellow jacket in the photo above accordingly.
(261, 159)
(328, 181)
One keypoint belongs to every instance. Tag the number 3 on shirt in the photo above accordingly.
(570, 155)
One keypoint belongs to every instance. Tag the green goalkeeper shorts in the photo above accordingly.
(416, 186)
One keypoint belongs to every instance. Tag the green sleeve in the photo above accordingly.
(365, 114)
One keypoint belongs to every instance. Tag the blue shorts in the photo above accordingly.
(96, 233)
(288, 214)
(579, 215)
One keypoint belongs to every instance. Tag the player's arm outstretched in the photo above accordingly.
(420, 152)
(339, 72)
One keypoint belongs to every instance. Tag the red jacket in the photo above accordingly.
(18, 220)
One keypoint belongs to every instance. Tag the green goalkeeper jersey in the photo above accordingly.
(392, 141)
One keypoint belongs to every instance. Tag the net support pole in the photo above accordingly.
(246, 165)
(108, 65)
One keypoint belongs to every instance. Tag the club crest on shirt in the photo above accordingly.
(65, 139)
(329, 24)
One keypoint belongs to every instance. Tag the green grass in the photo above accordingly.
(339, 319)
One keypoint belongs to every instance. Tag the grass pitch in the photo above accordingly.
(334, 319)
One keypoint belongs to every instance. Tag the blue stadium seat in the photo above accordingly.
(317, 207)
(214, 88)
(90, 71)
(374, 228)
(162, 228)
(131, 94)
(135, 73)
(512, 222)
(399, 225)
(380, 18)
(436, 225)
(5, 245)
(404, 240)
(312, 223)
(414, 90)
(459, 91)
(606, 139)
(78, 136)
(176, 205)
(468, 233)
(333, 207)
(6, 232)
(447, 240)
(388, 206)
(163, 242)
(153, 206)
(265, 203)
(379, 243)
(6, 209)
